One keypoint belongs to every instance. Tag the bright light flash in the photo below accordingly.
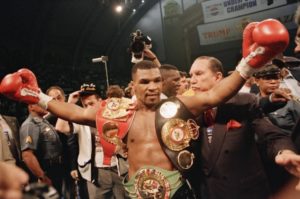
(119, 8)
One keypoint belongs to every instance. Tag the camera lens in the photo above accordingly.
(137, 46)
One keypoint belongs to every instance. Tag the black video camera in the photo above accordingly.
(40, 191)
(139, 42)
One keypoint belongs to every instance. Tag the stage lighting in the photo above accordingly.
(119, 8)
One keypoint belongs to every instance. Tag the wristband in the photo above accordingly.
(244, 69)
(44, 100)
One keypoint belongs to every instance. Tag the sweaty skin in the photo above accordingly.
(142, 142)
(143, 145)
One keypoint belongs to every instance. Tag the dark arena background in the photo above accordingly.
(57, 39)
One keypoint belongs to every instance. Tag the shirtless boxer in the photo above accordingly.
(153, 173)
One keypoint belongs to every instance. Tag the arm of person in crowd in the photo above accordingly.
(276, 100)
(34, 166)
(73, 149)
(276, 145)
(281, 95)
(12, 180)
(74, 174)
(63, 125)
(291, 162)
(151, 56)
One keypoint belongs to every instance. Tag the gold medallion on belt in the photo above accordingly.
(177, 133)
(150, 183)
(117, 108)
(185, 159)
(110, 131)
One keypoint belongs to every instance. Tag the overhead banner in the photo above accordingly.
(230, 30)
(216, 10)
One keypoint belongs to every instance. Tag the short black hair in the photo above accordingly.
(183, 74)
(145, 64)
(165, 69)
(168, 67)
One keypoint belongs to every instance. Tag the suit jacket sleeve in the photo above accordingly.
(73, 148)
(268, 135)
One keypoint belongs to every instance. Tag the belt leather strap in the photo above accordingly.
(178, 135)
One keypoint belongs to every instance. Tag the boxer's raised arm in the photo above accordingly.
(22, 86)
(262, 41)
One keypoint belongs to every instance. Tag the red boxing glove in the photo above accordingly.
(29, 76)
(22, 86)
(262, 41)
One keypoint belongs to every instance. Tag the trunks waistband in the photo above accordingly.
(153, 182)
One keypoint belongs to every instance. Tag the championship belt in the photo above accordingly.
(150, 183)
(113, 120)
(178, 134)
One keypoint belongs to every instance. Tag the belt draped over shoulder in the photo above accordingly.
(178, 134)
(113, 120)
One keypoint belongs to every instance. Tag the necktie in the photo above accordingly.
(209, 117)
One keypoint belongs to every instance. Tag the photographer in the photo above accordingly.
(140, 48)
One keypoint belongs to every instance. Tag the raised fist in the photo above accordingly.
(262, 41)
(22, 86)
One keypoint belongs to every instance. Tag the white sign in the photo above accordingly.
(232, 29)
(216, 10)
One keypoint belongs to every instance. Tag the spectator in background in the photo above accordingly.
(297, 38)
(171, 80)
(5, 154)
(10, 142)
(268, 80)
(58, 94)
(184, 84)
(103, 181)
(41, 148)
(115, 91)
(293, 64)
(128, 92)
(288, 80)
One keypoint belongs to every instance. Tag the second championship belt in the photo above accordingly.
(113, 121)
(178, 134)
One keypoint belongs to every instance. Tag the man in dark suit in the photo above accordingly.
(231, 163)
